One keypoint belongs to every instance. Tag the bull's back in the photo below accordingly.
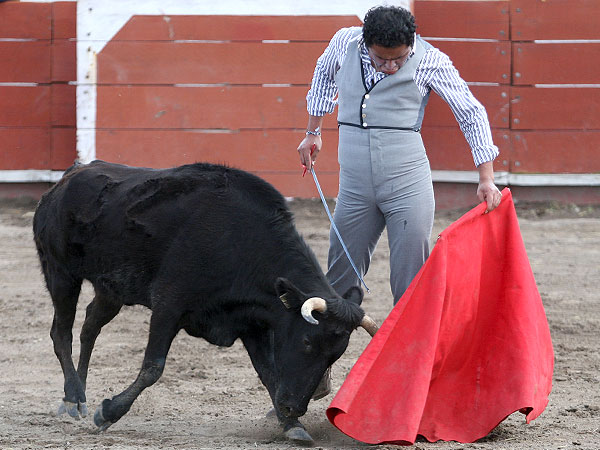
(86, 224)
(119, 226)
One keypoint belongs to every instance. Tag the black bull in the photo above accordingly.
(209, 249)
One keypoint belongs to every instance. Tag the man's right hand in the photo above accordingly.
(308, 150)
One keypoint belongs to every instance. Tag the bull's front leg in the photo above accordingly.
(163, 329)
(260, 349)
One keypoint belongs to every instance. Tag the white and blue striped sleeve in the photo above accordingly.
(438, 73)
(322, 96)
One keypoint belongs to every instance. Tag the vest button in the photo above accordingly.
(364, 105)
(367, 96)
(364, 115)
(365, 124)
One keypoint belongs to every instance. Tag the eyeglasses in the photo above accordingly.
(379, 62)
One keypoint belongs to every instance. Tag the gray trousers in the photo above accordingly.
(385, 181)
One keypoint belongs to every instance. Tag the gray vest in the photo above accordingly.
(394, 102)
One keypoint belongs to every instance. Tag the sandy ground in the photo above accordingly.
(211, 397)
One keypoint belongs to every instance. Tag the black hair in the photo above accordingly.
(389, 26)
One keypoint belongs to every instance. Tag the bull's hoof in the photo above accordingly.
(299, 434)
(100, 421)
(75, 410)
(271, 414)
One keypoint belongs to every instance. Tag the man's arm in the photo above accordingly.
(310, 146)
(472, 118)
(487, 190)
(321, 98)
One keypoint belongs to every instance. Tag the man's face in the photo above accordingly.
(388, 59)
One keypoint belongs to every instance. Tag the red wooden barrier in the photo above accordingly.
(556, 152)
(219, 107)
(26, 21)
(554, 19)
(494, 98)
(270, 154)
(556, 63)
(234, 28)
(479, 61)
(447, 149)
(24, 148)
(24, 106)
(147, 117)
(125, 62)
(25, 62)
(555, 108)
(463, 19)
(37, 120)
(534, 114)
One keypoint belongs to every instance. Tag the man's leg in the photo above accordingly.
(409, 222)
(360, 223)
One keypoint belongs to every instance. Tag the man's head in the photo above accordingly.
(388, 32)
(389, 26)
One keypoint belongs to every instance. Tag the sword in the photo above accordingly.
(314, 174)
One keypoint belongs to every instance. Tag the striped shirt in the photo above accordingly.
(435, 72)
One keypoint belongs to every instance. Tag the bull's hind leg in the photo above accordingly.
(64, 291)
(164, 326)
(98, 313)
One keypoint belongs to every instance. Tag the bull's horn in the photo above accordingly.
(310, 305)
(369, 324)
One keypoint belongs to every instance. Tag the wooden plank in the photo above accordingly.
(555, 63)
(64, 151)
(479, 61)
(555, 108)
(25, 20)
(494, 98)
(253, 150)
(24, 62)
(447, 149)
(556, 152)
(554, 19)
(24, 106)
(207, 63)
(64, 60)
(64, 20)
(270, 154)
(221, 107)
(234, 28)
(63, 105)
(24, 148)
(463, 19)
(292, 185)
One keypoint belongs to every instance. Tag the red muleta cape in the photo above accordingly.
(467, 345)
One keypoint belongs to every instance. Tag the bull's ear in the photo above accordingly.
(289, 294)
(354, 295)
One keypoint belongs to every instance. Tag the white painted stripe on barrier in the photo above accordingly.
(449, 39)
(559, 179)
(18, 84)
(30, 176)
(438, 176)
(519, 179)
(553, 86)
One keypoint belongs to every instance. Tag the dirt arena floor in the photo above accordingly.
(211, 398)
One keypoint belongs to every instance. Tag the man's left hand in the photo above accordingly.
(489, 193)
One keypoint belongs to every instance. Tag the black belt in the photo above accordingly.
(377, 127)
